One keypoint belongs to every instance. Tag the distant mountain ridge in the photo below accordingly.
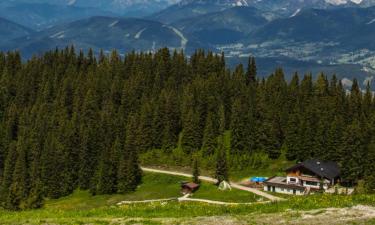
(311, 34)
(10, 30)
(107, 33)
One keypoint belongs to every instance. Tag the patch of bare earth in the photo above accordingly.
(332, 216)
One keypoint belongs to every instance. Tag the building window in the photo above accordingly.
(312, 183)
(282, 189)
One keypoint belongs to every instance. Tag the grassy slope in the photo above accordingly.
(259, 165)
(209, 191)
(154, 186)
(177, 211)
(81, 208)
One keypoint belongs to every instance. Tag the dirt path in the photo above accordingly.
(147, 201)
(212, 180)
(186, 198)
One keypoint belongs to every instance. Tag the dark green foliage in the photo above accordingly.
(129, 173)
(71, 121)
(251, 74)
(221, 173)
(210, 134)
(52, 164)
(192, 135)
(196, 172)
(18, 190)
(353, 160)
(292, 141)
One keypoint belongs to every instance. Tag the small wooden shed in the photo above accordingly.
(189, 188)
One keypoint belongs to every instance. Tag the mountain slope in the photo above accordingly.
(223, 27)
(39, 16)
(120, 7)
(188, 9)
(10, 30)
(315, 25)
(272, 9)
(105, 33)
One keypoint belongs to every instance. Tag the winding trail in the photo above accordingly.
(186, 198)
(213, 180)
(147, 201)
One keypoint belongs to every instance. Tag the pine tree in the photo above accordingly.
(238, 127)
(191, 138)
(221, 173)
(251, 71)
(210, 135)
(107, 171)
(129, 173)
(334, 139)
(292, 139)
(89, 140)
(52, 168)
(144, 139)
(18, 190)
(353, 152)
(9, 167)
(196, 172)
(35, 199)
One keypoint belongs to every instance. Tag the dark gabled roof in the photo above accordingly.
(191, 186)
(321, 168)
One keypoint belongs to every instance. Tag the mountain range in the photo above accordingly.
(308, 35)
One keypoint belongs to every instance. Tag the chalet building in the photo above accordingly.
(305, 177)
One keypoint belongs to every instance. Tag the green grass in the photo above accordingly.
(243, 167)
(177, 211)
(154, 186)
(81, 208)
(211, 192)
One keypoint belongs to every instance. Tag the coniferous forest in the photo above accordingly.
(71, 120)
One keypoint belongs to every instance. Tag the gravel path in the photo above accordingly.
(213, 180)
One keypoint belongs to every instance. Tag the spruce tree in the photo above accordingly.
(9, 167)
(251, 74)
(210, 135)
(191, 137)
(221, 173)
(353, 151)
(292, 139)
(238, 127)
(105, 182)
(52, 168)
(18, 190)
(90, 143)
(196, 172)
(129, 173)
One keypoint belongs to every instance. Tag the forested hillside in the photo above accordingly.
(70, 120)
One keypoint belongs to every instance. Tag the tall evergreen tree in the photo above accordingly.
(192, 134)
(251, 71)
(196, 172)
(18, 190)
(129, 173)
(210, 135)
(221, 173)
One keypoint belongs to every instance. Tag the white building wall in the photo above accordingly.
(288, 180)
(284, 190)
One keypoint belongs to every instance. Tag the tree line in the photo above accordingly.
(72, 120)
